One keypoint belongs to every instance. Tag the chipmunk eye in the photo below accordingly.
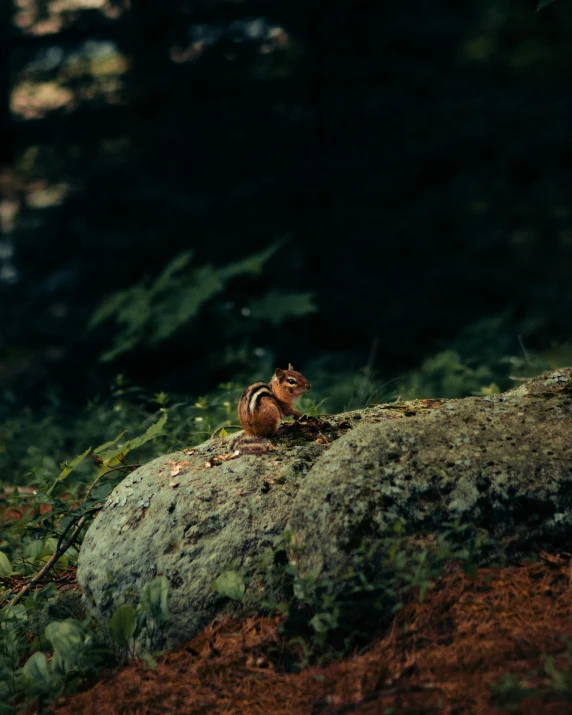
(291, 381)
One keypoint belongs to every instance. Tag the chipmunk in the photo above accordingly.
(263, 405)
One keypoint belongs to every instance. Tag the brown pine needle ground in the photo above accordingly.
(466, 634)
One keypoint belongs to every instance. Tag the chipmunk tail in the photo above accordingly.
(251, 444)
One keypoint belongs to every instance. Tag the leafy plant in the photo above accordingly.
(152, 311)
(330, 616)
(277, 306)
(488, 356)
(129, 623)
(338, 613)
(79, 647)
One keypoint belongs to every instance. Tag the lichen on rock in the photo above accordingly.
(502, 462)
(179, 517)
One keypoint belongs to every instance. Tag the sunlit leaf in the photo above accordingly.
(153, 431)
(229, 584)
(111, 443)
(111, 457)
(149, 661)
(68, 469)
(321, 622)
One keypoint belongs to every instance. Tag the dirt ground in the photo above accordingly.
(439, 657)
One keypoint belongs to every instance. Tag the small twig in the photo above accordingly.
(72, 522)
(64, 534)
(62, 548)
(55, 556)
(63, 579)
(132, 467)
(524, 350)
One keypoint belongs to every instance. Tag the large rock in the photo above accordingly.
(503, 462)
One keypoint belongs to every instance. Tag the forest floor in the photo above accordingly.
(440, 657)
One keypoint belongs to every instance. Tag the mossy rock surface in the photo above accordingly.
(179, 518)
(503, 462)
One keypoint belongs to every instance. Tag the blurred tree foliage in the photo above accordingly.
(416, 155)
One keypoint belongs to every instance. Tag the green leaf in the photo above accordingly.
(36, 673)
(321, 622)
(153, 312)
(108, 308)
(425, 586)
(276, 306)
(154, 598)
(33, 549)
(251, 264)
(13, 614)
(107, 445)
(122, 624)
(19, 528)
(5, 565)
(49, 548)
(154, 431)
(48, 591)
(101, 492)
(543, 3)
(121, 346)
(149, 661)
(67, 638)
(110, 458)
(223, 433)
(68, 469)
(41, 643)
(175, 266)
(229, 584)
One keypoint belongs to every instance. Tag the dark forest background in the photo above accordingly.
(197, 191)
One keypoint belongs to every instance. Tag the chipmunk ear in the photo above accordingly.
(290, 366)
(279, 374)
